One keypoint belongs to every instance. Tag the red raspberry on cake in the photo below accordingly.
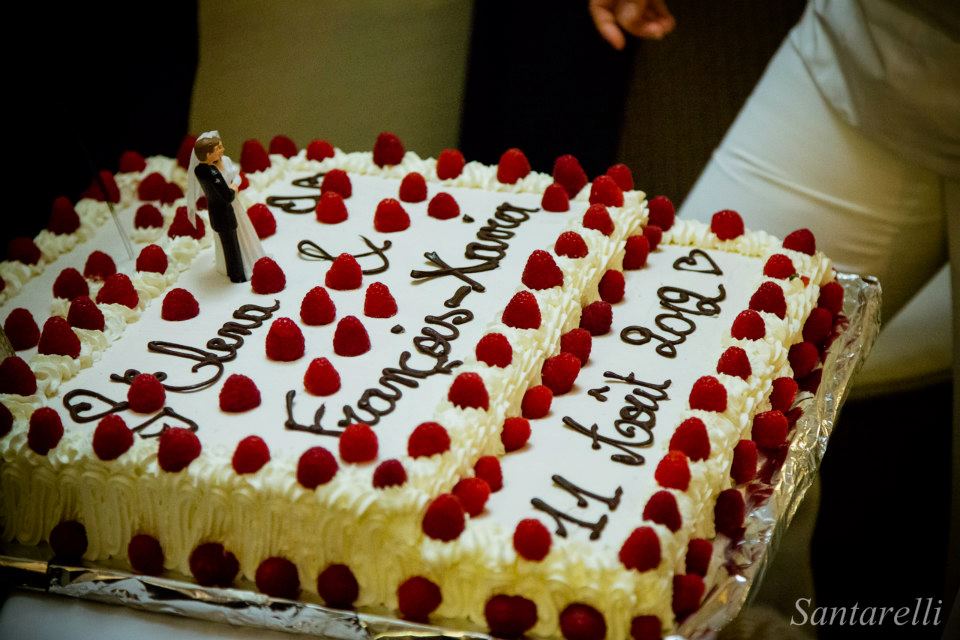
(350, 337)
(45, 432)
(23, 250)
(70, 284)
(319, 150)
(378, 302)
(622, 175)
(727, 224)
(148, 217)
(444, 519)
(687, 593)
(316, 467)
(69, 541)
(317, 308)
(803, 357)
(262, 220)
(769, 298)
(413, 188)
(748, 325)
(6, 420)
(635, 253)
(285, 341)
(473, 494)
(450, 164)
(612, 286)
(181, 227)
(510, 617)
(278, 578)
(152, 259)
(132, 162)
(428, 439)
(541, 271)
(17, 377)
(555, 199)
(532, 540)
(21, 329)
(251, 454)
(494, 350)
(469, 392)
(522, 312)
(515, 433)
(582, 622)
(172, 192)
(104, 188)
(283, 146)
(819, 326)
(338, 587)
(606, 191)
(179, 304)
(811, 382)
(570, 244)
(597, 317)
(641, 550)
(390, 217)
(389, 473)
(112, 438)
(213, 566)
(344, 274)
(58, 338)
(598, 218)
(321, 378)
(513, 166)
(779, 266)
(238, 394)
(99, 266)
(185, 151)
(661, 212)
(654, 235)
(488, 468)
(146, 394)
(734, 362)
(267, 277)
(560, 372)
(443, 207)
(536, 402)
(691, 438)
(388, 150)
(662, 509)
(178, 448)
(338, 181)
(358, 443)
(699, 554)
(728, 513)
(708, 394)
(783, 393)
(151, 187)
(578, 342)
(145, 555)
(63, 217)
(253, 157)
(744, 467)
(801, 240)
(673, 471)
(417, 598)
(568, 173)
(831, 297)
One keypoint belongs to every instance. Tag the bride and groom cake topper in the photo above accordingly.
(237, 244)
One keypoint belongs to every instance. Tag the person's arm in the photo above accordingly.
(648, 19)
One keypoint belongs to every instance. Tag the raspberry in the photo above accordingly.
(728, 513)
(661, 212)
(622, 175)
(536, 402)
(793, 415)
(801, 240)
(378, 302)
(444, 519)
(417, 598)
(145, 555)
(494, 350)
(831, 297)
(582, 622)
(69, 541)
(570, 244)
(662, 509)
(744, 468)
(338, 181)
(513, 166)
(769, 298)
(70, 284)
(691, 438)
(779, 266)
(238, 394)
(338, 586)
(515, 433)
(510, 617)
(469, 392)
(117, 289)
(350, 337)
(185, 151)
(390, 217)
(132, 162)
(23, 250)
(636, 250)
(699, 553)
(413, 188)
(253, 157)
(687, 593)
(250, 455)
(388, 150)
(734, 362)
(606, 191)
(99, 266)
(267, 277)
(748, 325)
(389, 473)
(596, 318)
(6, 420)
(344, 273)
(262, 220)
(541, 271)
(148, 217)
(645, 628)
(568, 173)
(783, 393)
(105, 188)
(641, 550)
(819, 326)
(316, 466)
(151, 187)
(63, 217)
(428, 439)
(58, 338)
(182, 227)
(45, 430)
(522, 312)
(803, 357)
(472, 494)
(708, 394)
(532, 540)
(172, 192)
(277, 577)
(17, 377)
(319, 150)
(317, 308)
(321, 378)
(560, 372)
(443, 207)
(179, 304)
(112, 438)
(152, 259)
(612, 286)
(673, 471)
(811, 382)
(555, 199)
(578, 342)
(285, 341)
(654, 235)
(21, 330)
(358, 443)
(283, 146)
(146, 394)
(450, 164)
(488, 468)
(597, 217)
(727, 224)
(213, 566)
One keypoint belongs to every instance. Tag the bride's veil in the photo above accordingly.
(193, 186)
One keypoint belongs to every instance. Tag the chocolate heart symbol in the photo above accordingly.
(691, 263)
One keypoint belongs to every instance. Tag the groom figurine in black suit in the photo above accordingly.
(220, 195)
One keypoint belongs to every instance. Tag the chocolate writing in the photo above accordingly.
(595, 527)
(310, 250)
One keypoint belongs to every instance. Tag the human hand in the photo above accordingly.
(648, 19)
